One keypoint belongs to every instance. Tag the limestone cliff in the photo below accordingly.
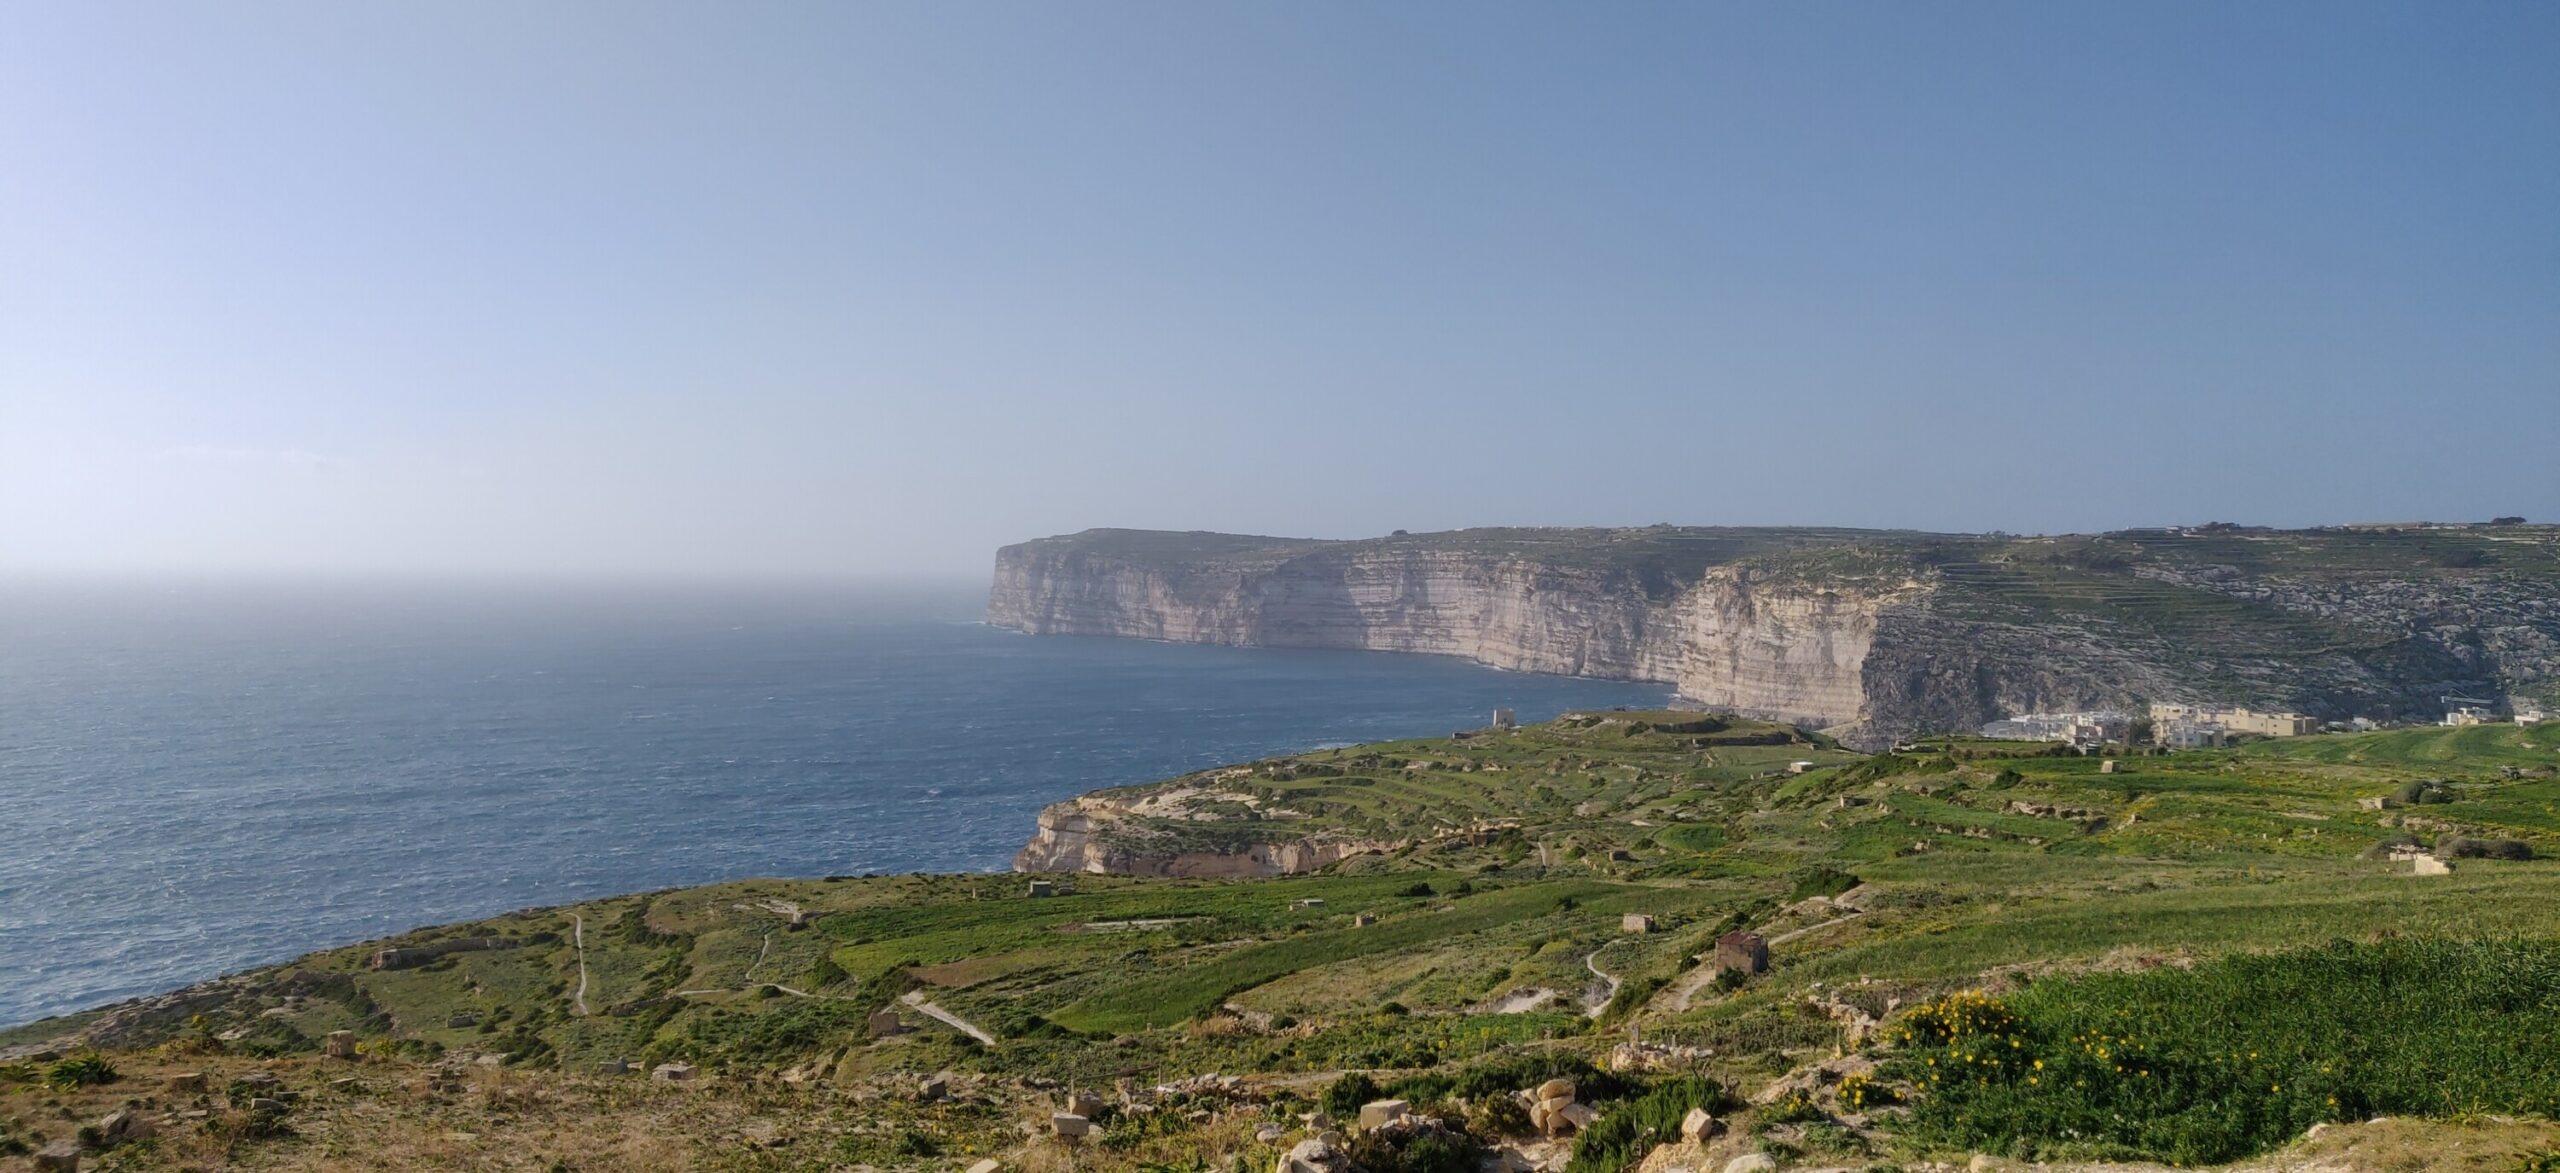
(1870, 634)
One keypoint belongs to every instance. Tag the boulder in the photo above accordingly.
(933, 1088)
(672, 1072)
(1269, 1134)
(1069, 1125)
(1578, 1116)
(1313, 1156)
(1085, 1104)
(1379, 1113)
(124, 1126)
(1752, 1163)
(1697, 1125)
(61, 1156)
(990, 1165)
(341, 1044)
(1554, 1088)
(189, 1081)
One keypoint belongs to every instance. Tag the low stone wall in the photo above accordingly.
(414, 956)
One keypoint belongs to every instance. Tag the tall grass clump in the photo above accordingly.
(2238, 1055)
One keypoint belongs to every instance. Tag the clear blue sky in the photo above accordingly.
(873, 288)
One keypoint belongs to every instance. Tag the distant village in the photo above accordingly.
(2178, 726)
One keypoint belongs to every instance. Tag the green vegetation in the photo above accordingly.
(2242, 1053)
(1630, 1129)
(2191, 903)
(78, 1071)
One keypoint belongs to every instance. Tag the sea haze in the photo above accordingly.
(198, 778)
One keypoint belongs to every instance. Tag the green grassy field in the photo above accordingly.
(1880, 882)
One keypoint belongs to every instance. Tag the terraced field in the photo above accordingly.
(1879, 882)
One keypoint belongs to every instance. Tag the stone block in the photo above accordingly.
(1069, 1125)
(1377, 1113)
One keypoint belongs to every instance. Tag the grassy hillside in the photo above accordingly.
(2039, 882)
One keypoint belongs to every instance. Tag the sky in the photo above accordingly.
(872, 288)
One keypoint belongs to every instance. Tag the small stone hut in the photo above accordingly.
(1748, 952)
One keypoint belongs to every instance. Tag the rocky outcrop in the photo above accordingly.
(1125, 836)
(1869, 635)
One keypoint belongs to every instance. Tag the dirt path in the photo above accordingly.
(1783, 938)
(761, 951)
(578, 934)
(915, 998)
(1592, 1007)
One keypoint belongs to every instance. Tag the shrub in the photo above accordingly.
(2465, 847)
(1626, 1131)
(1416, 890)
(1819, 881)
(1497, 1116)
(2424, 793)
(1343, 1097)
(1428, 1147)
(84, 1070)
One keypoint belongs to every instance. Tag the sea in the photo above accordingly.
(198, 777)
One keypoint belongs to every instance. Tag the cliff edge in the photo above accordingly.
(1870, 635)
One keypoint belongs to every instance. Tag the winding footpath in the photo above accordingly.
(578, 934)
(1592, 1008)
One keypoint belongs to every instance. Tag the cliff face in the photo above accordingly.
(1787, 650)
(1871, 635)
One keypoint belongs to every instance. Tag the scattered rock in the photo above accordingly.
(123, 1127)
(340, 1044)
(672, 1072)
(1314, 1156)
(1069, 1125)
(933, 1088)
(61, 1156)
(1698, 1125)
(1269, 1134)
(990, 1165)
(1752, 1163)
(189, 1081)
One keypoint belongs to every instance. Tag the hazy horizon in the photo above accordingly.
(582, 290)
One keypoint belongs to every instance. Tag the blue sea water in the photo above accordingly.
(196, 778)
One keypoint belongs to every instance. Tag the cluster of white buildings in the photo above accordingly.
(2092, 727)
(2194, 726)
(2483, 713)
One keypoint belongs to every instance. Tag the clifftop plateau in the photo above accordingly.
(1868, 634)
